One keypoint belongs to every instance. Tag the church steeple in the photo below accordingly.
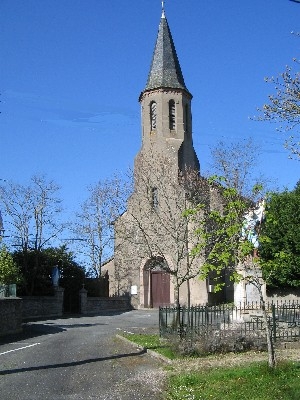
(166, 105)
(165, 71)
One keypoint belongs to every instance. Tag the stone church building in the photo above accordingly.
(153, 240)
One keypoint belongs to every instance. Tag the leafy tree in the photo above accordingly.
(71, 274)
(9, 271)
(220, 238)
(280, 239)
(283, 108)
(32, 221)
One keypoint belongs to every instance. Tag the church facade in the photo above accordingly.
(152, 261)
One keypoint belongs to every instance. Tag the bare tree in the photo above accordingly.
(236, 162)
(283, 107)
(32, 214)
(94, 225)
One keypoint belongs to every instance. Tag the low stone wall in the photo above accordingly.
(94, 305)
(10, 315)
(43, 306)
(283, 295)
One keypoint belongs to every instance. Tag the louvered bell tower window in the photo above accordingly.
(172, 116)
(153, 115)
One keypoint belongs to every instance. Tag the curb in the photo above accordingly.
(151, 353)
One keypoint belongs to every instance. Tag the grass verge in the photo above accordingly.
(252, 382)
(151, 342)
(255, 381)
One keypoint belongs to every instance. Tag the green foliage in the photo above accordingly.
(36, 268)
(71, 274)
(219, 233)
(280, 239)
(9, 271)
(255, 381)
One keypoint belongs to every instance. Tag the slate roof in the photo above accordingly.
(165, 71)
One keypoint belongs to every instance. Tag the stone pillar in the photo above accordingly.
(59, 296)
(83, 301)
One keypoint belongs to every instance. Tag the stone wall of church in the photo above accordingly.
(133, 250)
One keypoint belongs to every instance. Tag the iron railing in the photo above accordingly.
(283, 319)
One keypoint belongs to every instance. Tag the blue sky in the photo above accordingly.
(71, 72)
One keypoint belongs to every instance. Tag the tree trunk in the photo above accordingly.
(188, 293)
(270, 344)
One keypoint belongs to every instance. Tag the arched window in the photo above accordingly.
(153, 115)
(172, 116)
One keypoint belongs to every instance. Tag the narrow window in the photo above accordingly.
(154, 199)
(186, 118)
(153, 115)
(172, 119)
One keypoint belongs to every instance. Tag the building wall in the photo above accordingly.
(165, 236)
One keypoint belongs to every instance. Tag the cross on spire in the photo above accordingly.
(163, 8)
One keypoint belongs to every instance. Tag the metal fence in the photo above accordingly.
(283, 319)
(8, 290)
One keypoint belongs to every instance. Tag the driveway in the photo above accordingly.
(80, 358)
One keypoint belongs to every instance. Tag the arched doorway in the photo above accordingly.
(156, 283)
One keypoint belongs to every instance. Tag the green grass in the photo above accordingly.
(152, 342)
(253, 382)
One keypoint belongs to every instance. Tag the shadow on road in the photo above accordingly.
(70, 364)
(31, 331)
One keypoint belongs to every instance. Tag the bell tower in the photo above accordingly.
(166, 105)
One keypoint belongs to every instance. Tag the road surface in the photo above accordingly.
(80, 358)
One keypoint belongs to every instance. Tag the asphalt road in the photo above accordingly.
(80, 358)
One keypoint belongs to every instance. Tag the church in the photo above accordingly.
(153, 263)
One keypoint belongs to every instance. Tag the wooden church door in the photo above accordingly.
(160, 289)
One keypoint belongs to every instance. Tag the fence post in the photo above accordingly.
(59, 296)
(83, 300)
(206, 315)
(274, 322)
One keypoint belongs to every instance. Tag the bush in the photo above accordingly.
(212, 341)
(9, 271)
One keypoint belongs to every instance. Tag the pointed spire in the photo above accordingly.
(165, 69)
